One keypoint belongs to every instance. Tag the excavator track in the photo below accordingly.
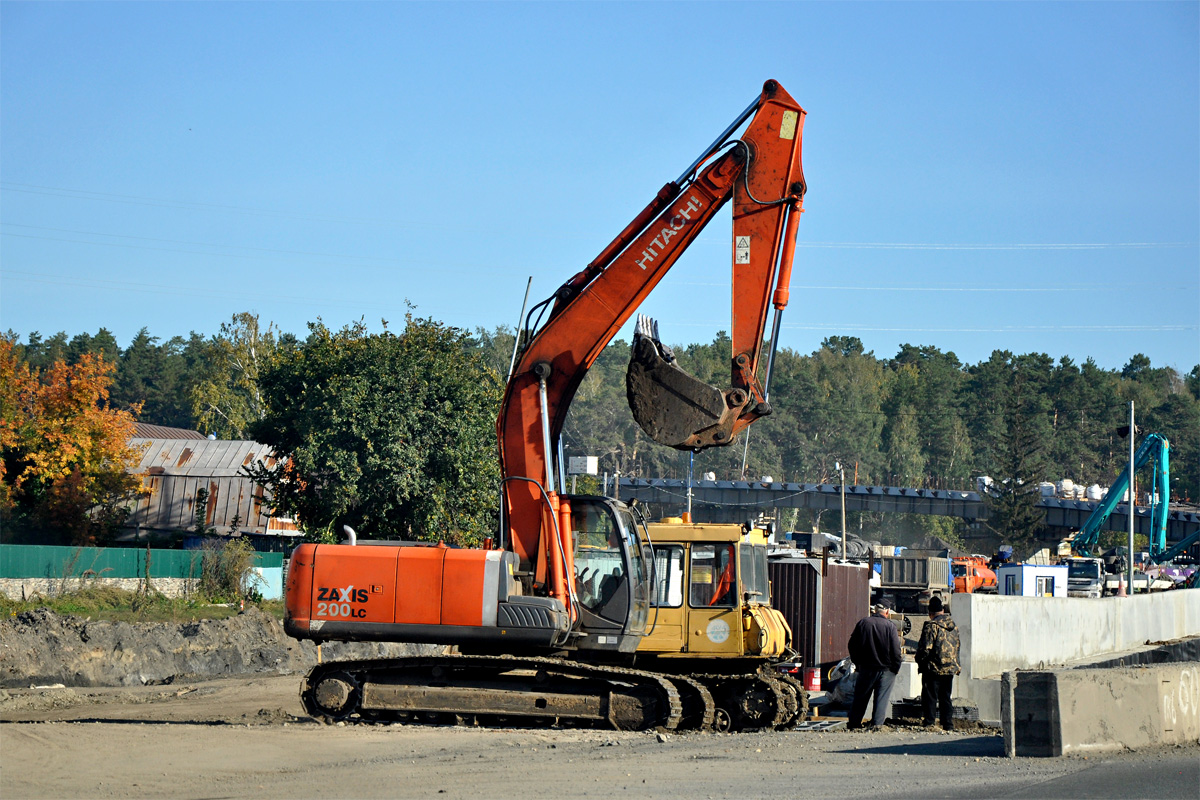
(699, 710)
(501, 690)
(795, 687)
(755, 701)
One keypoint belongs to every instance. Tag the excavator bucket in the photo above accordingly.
(672, 407)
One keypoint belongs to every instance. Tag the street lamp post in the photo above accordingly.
(842, 481)
(1132, 497)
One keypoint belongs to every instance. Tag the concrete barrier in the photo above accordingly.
(1001, 634)
(1056, 712)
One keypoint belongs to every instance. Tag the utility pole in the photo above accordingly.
(1132, 497)
(691, 466)
(842, 480)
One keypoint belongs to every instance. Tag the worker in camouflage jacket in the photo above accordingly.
(937, 661)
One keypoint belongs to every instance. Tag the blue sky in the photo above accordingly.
(1021, 176)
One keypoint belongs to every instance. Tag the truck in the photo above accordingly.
(912, 579)
(548, 617)
(972, 574)
(1085, 576)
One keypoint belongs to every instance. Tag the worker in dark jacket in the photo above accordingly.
(875, 650)
(937, 661)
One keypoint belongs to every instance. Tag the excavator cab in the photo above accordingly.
(612, 583)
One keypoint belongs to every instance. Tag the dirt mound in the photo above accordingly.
(40, 647)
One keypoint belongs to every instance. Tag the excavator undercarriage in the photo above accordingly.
(521, 692)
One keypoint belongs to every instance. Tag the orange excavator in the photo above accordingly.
(547, 618)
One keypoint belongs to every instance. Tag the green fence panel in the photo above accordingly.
(42, 561)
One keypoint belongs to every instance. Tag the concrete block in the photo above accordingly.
(908, 682)
(1007, 713)
(1000, 634)
(1055, 712)
(985, 693)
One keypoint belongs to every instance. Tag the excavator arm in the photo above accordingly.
(1153, 445)
(761, 173)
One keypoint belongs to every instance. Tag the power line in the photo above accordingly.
(459, 269)
(85, 194)
(998, 329)
(164, 289)
(964, 289)
(385, 261)
(995, 246)
(179, 242)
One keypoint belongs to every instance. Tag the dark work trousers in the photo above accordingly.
(878, 681)
(935, 694)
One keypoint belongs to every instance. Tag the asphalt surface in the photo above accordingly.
(247, 737)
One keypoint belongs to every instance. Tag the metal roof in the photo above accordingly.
(206, 457)
(177, 469)
(147, 431)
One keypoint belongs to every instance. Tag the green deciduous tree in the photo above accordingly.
(393, 435)
(228, 400)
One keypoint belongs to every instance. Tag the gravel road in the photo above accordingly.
(247, 737)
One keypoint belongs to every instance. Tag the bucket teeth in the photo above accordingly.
(647, 328)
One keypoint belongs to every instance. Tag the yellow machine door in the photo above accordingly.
(714, 624)
(668, 611)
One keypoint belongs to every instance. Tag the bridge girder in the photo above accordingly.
(755, 496)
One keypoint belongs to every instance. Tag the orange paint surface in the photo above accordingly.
(462, 593)
(353, 584)
(418, 580)
(298, 593)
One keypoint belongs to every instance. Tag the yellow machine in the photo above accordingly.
(711, 619)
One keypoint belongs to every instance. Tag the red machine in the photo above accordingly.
(566, 652)
(972, 574)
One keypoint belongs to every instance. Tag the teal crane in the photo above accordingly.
(1153, 446)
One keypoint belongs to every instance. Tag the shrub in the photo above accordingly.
(226, 572)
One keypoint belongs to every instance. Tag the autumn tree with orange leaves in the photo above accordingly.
(65, 451)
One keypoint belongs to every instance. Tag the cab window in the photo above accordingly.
(754, 573)
(668, 576)
(600, 569)
(638, 571)
(713, 578)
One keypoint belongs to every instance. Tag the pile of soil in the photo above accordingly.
(40, 647)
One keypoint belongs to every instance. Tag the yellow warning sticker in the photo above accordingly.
(787, 129)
